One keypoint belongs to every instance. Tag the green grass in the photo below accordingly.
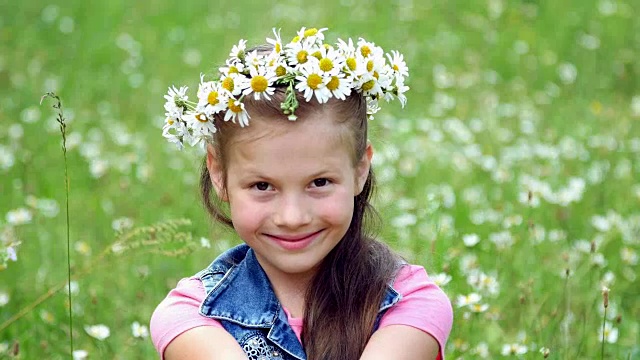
(502, 72)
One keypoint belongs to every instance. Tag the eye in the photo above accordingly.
(320, 182)
(262, 186)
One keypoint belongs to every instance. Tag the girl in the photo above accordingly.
(308, 282)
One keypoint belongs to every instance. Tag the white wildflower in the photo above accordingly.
(513, 349)
(471, 240)
(467, 300)
(99, 331)
(19, 216)
(4, 298)
(608, 334)
(441, 279)
(204, 242)
(139, 331)
(80, 354)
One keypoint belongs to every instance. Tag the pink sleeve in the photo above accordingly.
(178, 312)
(423, 305)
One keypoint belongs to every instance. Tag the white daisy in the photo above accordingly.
(237, 51)
(331, 61)
(211, 98)
(79, 354)
(374, 65)
(311, 35)
(237, 112)
(277, 42)
(234, 84)
(397, 63)
(347, 48)
(478, 308)
(372, 108)
(261, 82)
(369, 85)
(339, 86)
(139, 331)
(467, 300)
(300, 53)
(513, 349)
(310, 82)
(254, 60)
(232, 67)
(396, 90)
(99, 331)
(174, 107)
(278, 66)
(608, 334)
(400, 89)
(19, 216)
(368, 49)
(174, 131)
(202, 128)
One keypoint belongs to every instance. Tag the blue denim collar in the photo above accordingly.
(243, 295)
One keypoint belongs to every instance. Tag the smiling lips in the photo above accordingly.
(294, 242)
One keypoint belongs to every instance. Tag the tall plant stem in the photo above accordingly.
(63, 130)
(604, 320)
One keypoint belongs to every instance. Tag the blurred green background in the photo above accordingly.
(516, 161)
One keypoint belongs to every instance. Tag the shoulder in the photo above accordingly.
(413, 280)
(420, 293)
(424, 305)
(179, 312)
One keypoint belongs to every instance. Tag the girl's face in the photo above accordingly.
(291, 189)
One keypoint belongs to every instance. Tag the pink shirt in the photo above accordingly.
(423, 306)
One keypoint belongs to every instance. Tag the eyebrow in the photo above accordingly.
(253, 172)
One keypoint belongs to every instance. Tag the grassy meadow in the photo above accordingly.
(513, 174)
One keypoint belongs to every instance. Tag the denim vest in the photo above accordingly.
(239, 295)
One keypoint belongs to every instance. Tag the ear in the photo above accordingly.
(362, 169)
(215, 173)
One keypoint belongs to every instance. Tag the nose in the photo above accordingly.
(292, 212)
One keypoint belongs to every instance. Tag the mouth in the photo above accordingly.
(294, 237)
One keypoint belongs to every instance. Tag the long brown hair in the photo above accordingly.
(344, 296)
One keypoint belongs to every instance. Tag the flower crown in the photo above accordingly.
(306, 64)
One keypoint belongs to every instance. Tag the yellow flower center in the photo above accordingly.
(233, 70)
(281, 71)
(170, 121)
(317, 55)
(259, 83)
(351, 63)
(302, 56)
(212, 99)
(326, 64)
(278, 47)
(227, 84)
(201, 118)
(295, 39)
(369, 65)
(234, 106)
(313, 81)
(395, 67)
(310, 32)
(376, 75)
(365, 51)
(368, 85)
(333, 83)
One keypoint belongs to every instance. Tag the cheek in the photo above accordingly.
(245, 215)
(338, 209)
